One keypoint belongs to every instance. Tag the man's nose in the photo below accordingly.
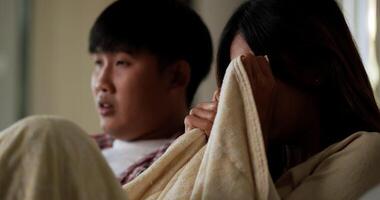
(104, 81)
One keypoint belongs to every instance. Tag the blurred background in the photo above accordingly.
(45, 67)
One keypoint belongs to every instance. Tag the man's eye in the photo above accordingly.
(122, 63)
(98, 63)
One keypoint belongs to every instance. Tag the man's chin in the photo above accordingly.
(109, 128)
(118, 132)
(115, 132)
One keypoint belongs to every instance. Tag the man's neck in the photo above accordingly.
(174, 126)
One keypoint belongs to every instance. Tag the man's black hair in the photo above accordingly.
(168, 29)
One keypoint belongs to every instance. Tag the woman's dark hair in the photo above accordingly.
(309, 46)
(168, 29)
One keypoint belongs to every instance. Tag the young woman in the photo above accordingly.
(313, 90)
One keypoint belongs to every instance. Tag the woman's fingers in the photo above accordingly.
(264, 66)
(212, 106)
(263, 86)
(192, 121)
(215, 96)
(258, 66)
(252, 66)
(203, 114)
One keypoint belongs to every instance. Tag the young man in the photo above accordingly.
(149, 58)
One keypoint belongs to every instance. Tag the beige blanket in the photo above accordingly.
(50, 158)
(346, 170)
(233, 164)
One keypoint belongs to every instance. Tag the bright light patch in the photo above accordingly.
(372, 68)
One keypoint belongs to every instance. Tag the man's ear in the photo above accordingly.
(179, 74)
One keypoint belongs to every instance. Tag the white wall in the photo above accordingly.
(60, 65)
(215, 13)
(362, 21)
(9, 61)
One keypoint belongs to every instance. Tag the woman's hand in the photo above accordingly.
(202, 115)
(264, 88)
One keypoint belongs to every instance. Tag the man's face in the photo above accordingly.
(131, 93)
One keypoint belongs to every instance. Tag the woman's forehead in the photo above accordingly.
(239, 46)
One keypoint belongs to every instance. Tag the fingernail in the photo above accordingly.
(266, 58)
(243, 57)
